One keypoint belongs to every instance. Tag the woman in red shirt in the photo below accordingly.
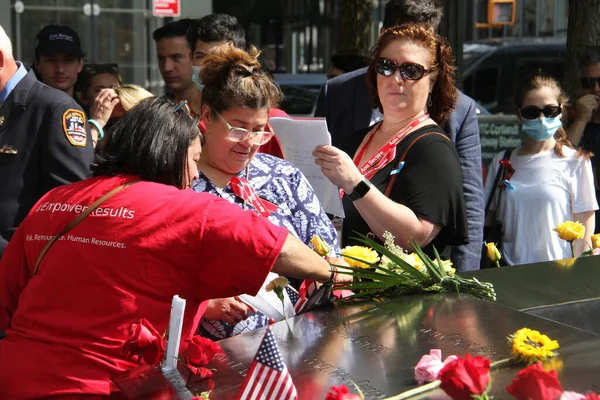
(67, 319)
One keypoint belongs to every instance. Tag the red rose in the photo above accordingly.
(591, 396)
(199, 352)
(465, 377)
(144, 343)
(533, 383)
(341, 393)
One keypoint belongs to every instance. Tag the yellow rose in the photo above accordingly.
(320, 246)
(596, 241)
(570, 230)
(492, 252)
(369, 256)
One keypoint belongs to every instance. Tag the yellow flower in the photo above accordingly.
(492, 252)
(596, 241)
(414, 260)
(364, 254)
(555, 364)
(320, 246)
(447, 264)
(531, 346)
(279, 282)
(570, 230)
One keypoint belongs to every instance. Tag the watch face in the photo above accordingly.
(360, 190)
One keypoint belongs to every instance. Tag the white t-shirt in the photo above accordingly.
(548, 190)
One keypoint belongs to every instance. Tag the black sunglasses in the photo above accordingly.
(408, 70)
(108, 68)
(532, 112)
(589, 83)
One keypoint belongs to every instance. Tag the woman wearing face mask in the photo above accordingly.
(552, 182)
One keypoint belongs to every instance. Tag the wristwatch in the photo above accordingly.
(360, 190)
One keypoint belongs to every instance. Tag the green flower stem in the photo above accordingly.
(497, 263)
(572, 248)
(501, 363)
(435, 384)
(416, 391)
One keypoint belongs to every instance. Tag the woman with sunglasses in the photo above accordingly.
(402, 175)
(236, 99)
(552, 180)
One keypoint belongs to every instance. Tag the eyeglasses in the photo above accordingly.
(532, 112)
(410, 71)
(241, 134)
(589, 83)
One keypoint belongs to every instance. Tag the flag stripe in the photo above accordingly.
(268, 377)
(250, 378)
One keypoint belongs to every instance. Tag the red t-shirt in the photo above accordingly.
(67, 325)
(272, 147)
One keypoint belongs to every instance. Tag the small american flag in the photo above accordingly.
(295, 298)
(268, 377)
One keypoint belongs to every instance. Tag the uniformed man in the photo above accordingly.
(44, 140)
(58, 57)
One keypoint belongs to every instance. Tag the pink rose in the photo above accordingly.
(572, 396)
(429, 366)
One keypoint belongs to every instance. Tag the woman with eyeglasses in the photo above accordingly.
(236, 99)
(99, 301)
(552, 181)
(402, 175)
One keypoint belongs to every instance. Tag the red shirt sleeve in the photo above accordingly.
(14, 275)
(239, 247)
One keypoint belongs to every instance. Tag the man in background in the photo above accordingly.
(584, 131)
(43, 141)
(58, 57)
(174, 45)
(214, 30)
(346, 104)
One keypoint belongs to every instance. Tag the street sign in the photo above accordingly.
(166, 8)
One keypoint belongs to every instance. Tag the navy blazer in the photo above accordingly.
(346, 104)
(44, 143)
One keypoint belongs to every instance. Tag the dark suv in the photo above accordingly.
(492, 69)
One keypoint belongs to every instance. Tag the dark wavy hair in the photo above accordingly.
(398, 12)
(540, 79)
(152, 141)
(234, 77)
(220, 27)
(444, 92)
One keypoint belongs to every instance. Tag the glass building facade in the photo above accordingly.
(111, 31)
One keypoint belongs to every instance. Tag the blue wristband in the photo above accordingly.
(97, 125)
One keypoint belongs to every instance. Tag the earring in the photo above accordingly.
(429, 103)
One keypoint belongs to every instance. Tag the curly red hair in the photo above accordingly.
(444, 92)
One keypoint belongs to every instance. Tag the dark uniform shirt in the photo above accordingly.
(591, 141)
(44, 143)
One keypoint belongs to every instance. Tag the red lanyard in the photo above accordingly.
(244, 190)
(387, 152)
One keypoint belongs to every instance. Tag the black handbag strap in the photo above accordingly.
(499, 175)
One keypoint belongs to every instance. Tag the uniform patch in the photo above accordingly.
(74, 127)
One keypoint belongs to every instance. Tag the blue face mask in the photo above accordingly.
(541, 129)
(196, 77)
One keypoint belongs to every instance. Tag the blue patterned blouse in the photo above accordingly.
(281, 183)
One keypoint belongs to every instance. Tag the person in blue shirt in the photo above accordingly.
(43, 141)
(236, 99)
